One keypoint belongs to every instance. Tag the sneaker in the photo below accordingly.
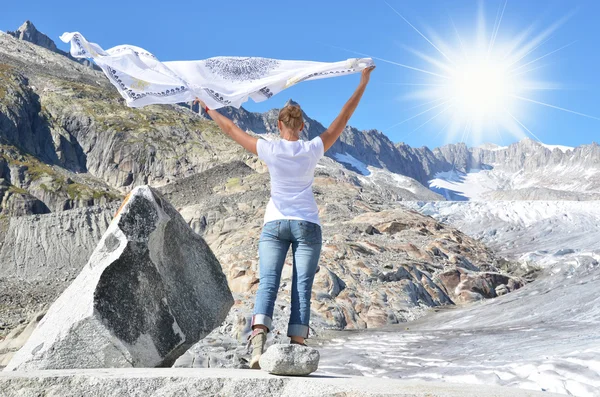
(257, 340)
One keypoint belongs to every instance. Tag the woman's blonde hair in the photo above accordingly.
(291, 117)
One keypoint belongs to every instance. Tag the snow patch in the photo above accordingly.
(353, 162)
(459, 186)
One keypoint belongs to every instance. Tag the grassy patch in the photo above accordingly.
(57, 182)
(17, 190)
(78, 191)
(35, 168)
(107, 109)
(232, 182)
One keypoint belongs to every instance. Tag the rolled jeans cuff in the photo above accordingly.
(262, 319)
(298, 330)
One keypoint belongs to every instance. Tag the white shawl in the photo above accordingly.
(222, 81)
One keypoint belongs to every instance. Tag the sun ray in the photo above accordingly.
(424, 104)
(515, 75)
(543, 56)
(443, 128)
(460, 42)
(464, 134)
(416, 115)
(455, 126)
(512, 127)
(480, 36)
(415, 84)
(531, 51)
(432, 118)
(418, 31)
(388, 61)
(431, 60)
(499, 135)
(533, 85)
(540, 38)
(411, 132)
(523, 126)
(556, 107)
(496, 29)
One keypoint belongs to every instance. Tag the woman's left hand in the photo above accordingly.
(199, 101)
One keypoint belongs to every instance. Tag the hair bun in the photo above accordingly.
(295, 111)
(291, 117)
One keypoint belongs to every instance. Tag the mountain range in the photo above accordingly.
(525, 170)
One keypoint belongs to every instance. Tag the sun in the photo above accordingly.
(479, 85)
(479, 88)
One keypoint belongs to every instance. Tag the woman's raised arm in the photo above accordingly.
(247, 141)
(334, 131)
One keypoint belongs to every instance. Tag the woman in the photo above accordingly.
(292, 216)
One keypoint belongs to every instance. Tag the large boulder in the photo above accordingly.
(151, 289)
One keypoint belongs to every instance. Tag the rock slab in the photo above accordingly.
(171, 382)
(290, 360)
(150, 290)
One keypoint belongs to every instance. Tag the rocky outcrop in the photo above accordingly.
(151, 289)
(464, 286)
(290, 360)
(39, 160)
(28, 32)
(44, 248)
(16, 201)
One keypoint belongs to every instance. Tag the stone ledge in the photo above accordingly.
(163, 382)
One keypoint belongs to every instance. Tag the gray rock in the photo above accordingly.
(290, 359)
(151, 289)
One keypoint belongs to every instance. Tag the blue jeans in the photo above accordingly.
(275, 240)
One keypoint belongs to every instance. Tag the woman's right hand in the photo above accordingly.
(366, 75)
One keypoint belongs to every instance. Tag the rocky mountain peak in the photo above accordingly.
(28, 32)
(291, 102)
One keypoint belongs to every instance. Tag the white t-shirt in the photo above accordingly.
(291, 166)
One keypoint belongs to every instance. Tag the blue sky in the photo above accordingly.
(317, 30)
